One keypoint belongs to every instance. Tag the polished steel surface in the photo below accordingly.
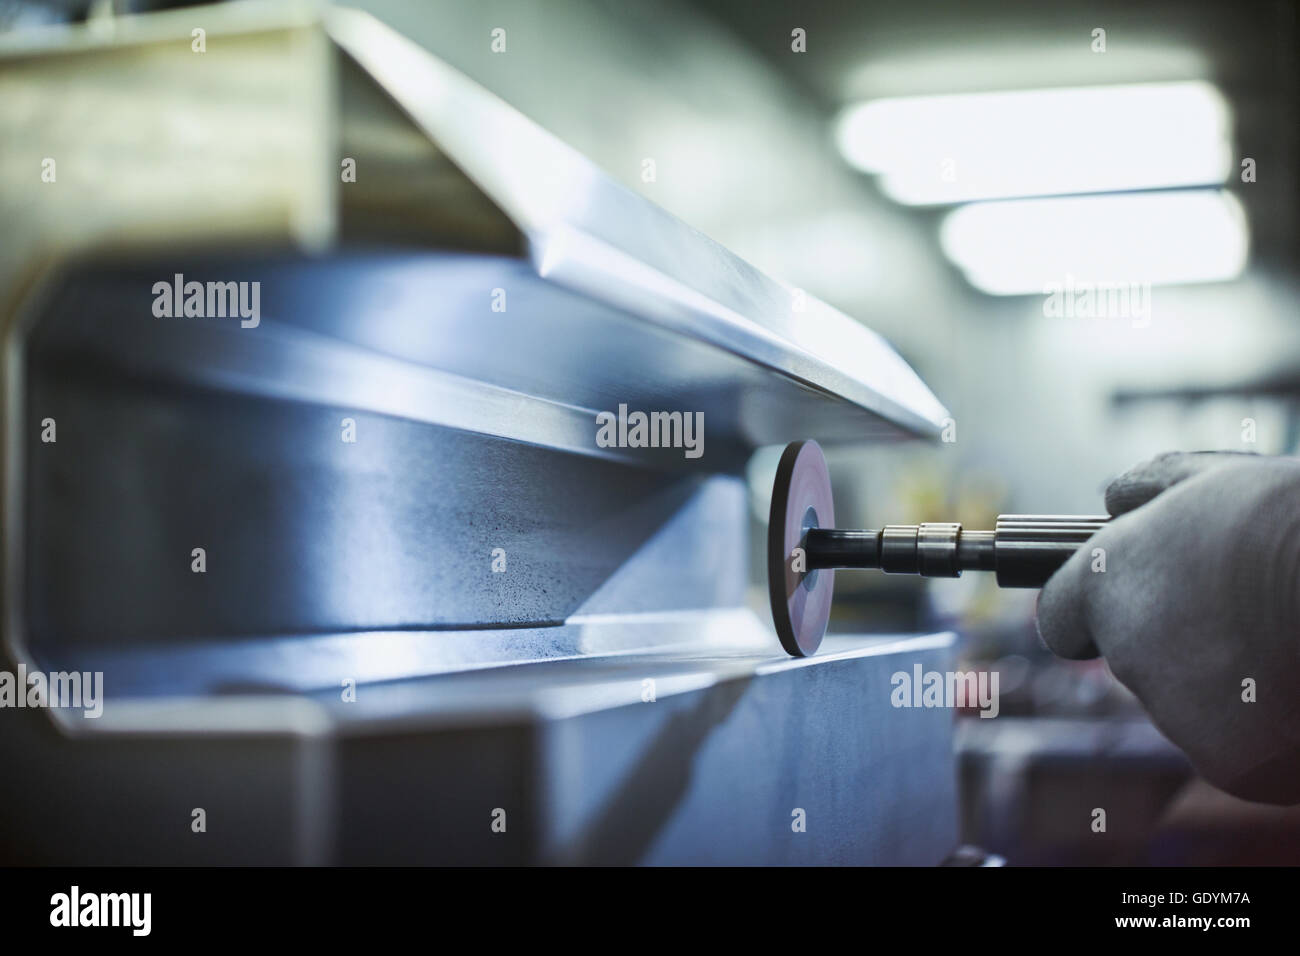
(705, 769)
(611, 303)
(476, 175)
(589, 233)
(372, 564)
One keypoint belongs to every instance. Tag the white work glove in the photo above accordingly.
(1198, 611)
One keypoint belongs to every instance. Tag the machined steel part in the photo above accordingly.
(1022, 550)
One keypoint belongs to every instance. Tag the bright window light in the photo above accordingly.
(944, 149)
(1025, 247)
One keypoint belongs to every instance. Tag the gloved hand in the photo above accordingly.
(1201, 592)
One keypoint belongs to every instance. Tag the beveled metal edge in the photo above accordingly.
(590, 233)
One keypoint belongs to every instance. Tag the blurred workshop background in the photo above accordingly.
(939, 170)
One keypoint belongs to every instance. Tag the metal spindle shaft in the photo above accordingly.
(1023, 550)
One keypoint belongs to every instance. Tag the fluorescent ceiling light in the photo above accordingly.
(898, 64)
(1162, 238)
(945, 149)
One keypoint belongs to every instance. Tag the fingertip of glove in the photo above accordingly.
(1060, 625)
(1139, 484)
(1126, 493)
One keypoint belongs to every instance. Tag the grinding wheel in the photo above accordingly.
(801, 499)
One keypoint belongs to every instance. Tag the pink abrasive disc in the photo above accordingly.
(801, 499)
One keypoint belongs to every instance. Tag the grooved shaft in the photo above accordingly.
(1023, 550)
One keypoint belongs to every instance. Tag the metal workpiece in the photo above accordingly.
(478, 425)
(589, 771)
(394, 474)
(805, 549)
(598, 279)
